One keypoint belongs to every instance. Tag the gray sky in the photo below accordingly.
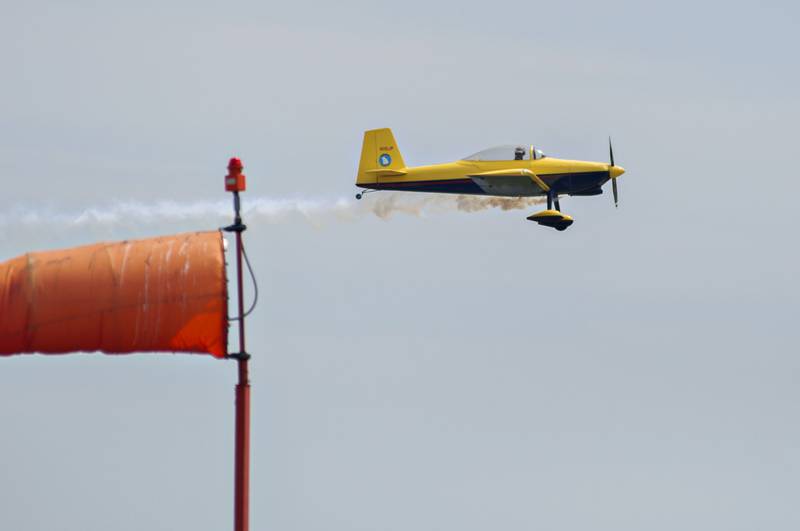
(449, 371)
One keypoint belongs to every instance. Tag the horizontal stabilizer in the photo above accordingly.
(381, 172)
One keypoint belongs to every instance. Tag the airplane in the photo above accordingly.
(511, 171)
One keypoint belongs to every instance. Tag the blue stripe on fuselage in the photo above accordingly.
(450, 186)
(575, 182)
(560, 183)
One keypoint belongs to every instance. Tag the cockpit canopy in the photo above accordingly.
(508, 152)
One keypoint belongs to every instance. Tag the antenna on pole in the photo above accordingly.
(235, 182)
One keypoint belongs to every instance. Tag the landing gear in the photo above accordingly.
(552, 197)
(359, 195)
(552, 218)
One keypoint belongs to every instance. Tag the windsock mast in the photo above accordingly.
(235, 183)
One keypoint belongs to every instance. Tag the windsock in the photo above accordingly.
(166, 294)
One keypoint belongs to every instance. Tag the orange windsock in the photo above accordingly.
(158, 294)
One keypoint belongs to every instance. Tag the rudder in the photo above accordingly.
(379, 153)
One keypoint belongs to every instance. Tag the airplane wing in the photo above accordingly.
(517, 181)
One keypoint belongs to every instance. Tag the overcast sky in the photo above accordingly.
(452, 370)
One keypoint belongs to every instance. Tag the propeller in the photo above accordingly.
(613, 178)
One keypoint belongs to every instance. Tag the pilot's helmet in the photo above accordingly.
(519, 152)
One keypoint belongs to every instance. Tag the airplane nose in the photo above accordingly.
(616, 171)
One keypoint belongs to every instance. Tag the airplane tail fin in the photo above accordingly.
(379, 156)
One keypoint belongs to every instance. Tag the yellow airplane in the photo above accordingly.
(511, 171)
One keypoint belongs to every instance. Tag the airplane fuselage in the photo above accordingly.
(565, 177)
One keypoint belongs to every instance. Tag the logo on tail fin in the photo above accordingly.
(384, 160)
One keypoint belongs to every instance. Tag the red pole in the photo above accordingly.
(241, 518)
(242, 457)
(235, 182)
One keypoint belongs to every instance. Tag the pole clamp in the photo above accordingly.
(243, 356)
(236, 227)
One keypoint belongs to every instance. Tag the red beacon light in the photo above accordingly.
(235, 180)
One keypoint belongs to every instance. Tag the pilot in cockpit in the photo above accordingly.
(519, 153)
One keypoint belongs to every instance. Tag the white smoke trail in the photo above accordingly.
(254, 209)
